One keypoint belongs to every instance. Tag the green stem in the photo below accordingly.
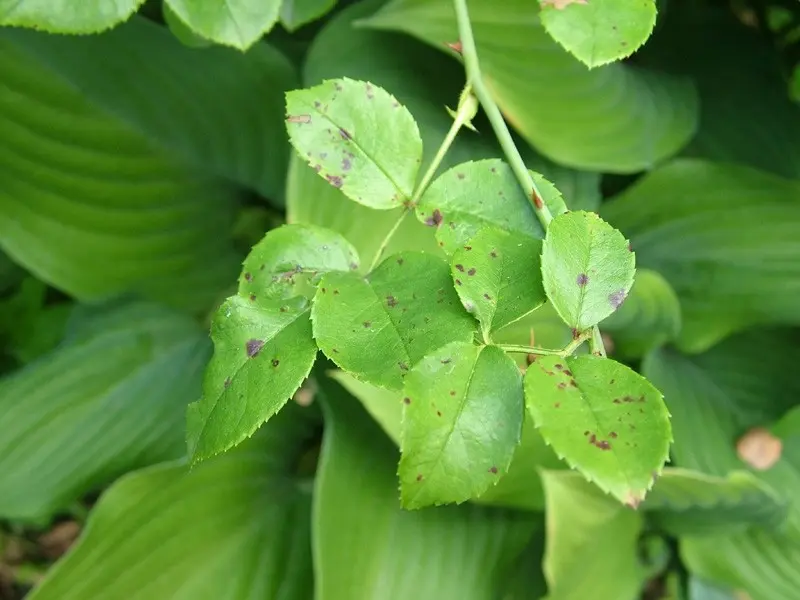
(467, 107)
(473, 69)
(530, 350)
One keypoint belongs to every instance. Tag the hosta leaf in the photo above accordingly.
(614, 118)
(498, 277)
(296, 13)
(580, 524)
(359, 138)
(69, 213)
(650, 316)
(107, 401)
(736, 231)
(449, 553)
(379, 326)
(222, 110)
(689, 502)
(425, 81)
(236, 23)
(263, 347)
(599, 32)
(472, 195)
(234, 527)
(606, 420)
(587, 268)
(462, 422)
(67, 16)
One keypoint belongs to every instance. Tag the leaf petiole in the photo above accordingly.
(567, 350)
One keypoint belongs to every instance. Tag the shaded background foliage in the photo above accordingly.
(139, 165)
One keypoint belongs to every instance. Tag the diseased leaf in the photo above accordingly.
(498, 277)
(359, 138)
(581, 524)
(604, 419)
(110, 399)
(236, 23)
(67, 16)
(597, 33)
(263, 346)
(650, 316)
(379, 326)
(587, 268)
(724, 237)
(296, 13)
(472, 195)
(462, 421)
(462, 552)
(615, 118)
(237, 526)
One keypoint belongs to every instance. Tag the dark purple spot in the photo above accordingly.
(460, 268)
(559, 366)
(617, 298)
(353, 266)
(248, 277)
(403, 366)
(582, 279)
(458, 282)
(487, 296)
(602, 444)
(435, 219)
(367, 324)
(334, 180)
(317, 168)
(567, 372)
(254, 347)
(452, 392)
(493, 470)
(471, 272)
(613, 434)
(400, 261)
(275, 362)
(252, 297)
(345, 134)
(493, 254)
(391, 301)
(346, 164)
(337, 86)
(407, 400)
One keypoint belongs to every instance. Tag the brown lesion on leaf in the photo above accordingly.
(435, 219)
(391, 301)
(407, 400)
(598, 443)
(335, 180)
(298, 119)
(617, 298)
(460, 267)
(582, 279)
(345, 135)
(493, 470)
(226, 384)
(367, 324)
(420, 477)
(253, 347)
(472, 272)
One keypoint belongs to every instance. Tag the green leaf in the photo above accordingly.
(234, 527)
(598, 33)
(581, 523)
(472, 195)
(604, 419)
(68, 211)
(181, 30)
(235, 23)
(425, 81)
(724, 237)
(499, 277)
(462, 552)
(221, 112)
(263, 346)
(587, 268)
(462, 422)
(108, 400)
(689, 503)
(615, 118)
(650, 317)
(334, 127)
(67, 16)
(296, 13)
(379, 326)
(384, 406)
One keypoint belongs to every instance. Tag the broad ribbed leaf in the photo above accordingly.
(263, 347)
(498, 277)
(587, 268)
(724, 237)
(67, 16)
(614, 118)
(650, 316)
(598, 33)
(68, 210)
(359, 138)
(425, 81)
(234, 527)
(448, 553)
(581, 526)
(462, 422)
(107, 401)
(216, 108)
(236, 23)
(604, 419)
(378, 327)
(473, 195)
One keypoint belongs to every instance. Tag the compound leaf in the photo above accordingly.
(597, 33)
(498, 277)
(604, 419)
(359, 138)
(587, 268)
(66, 16)
(379, 326)
(462, 421)
(296, 13)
